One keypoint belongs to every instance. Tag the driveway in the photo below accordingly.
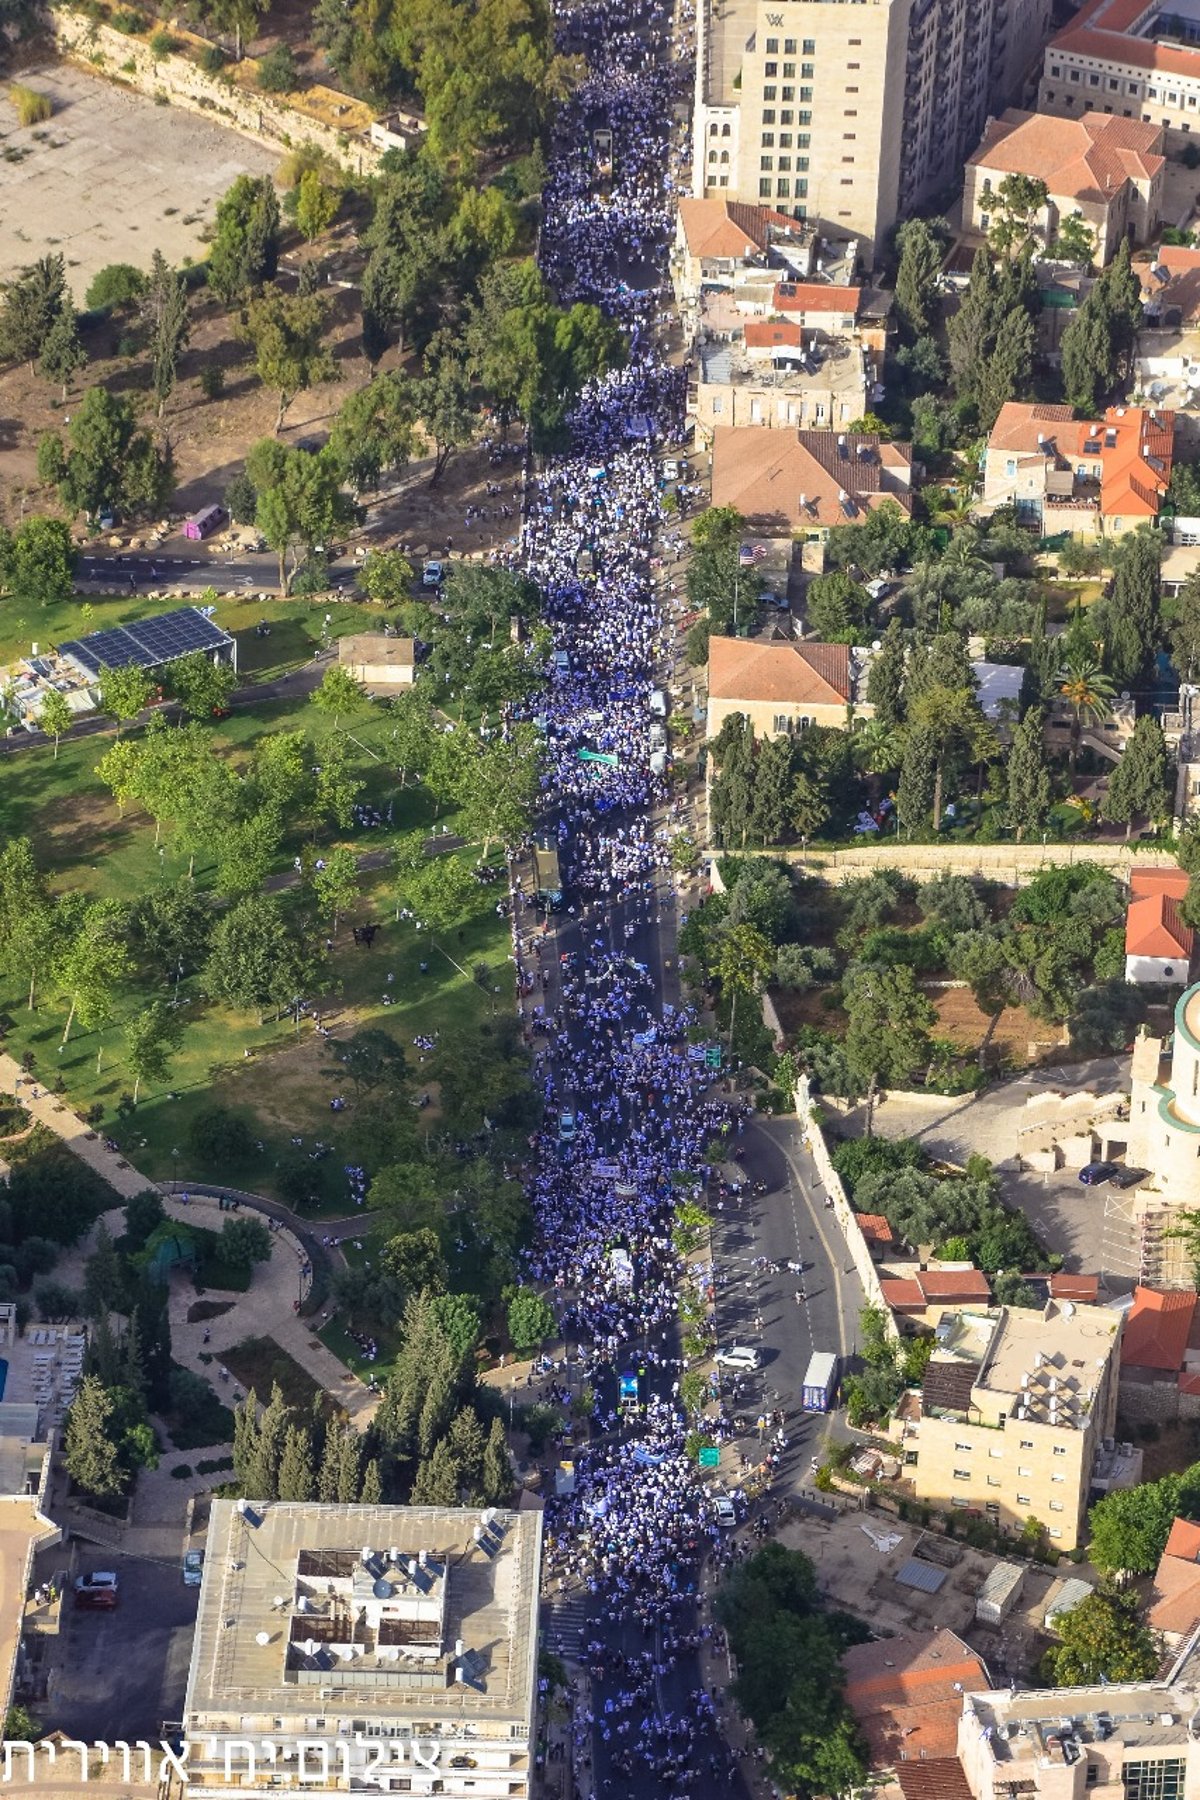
(129, 1664)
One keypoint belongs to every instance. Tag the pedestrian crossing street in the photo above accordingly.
(564, 1625)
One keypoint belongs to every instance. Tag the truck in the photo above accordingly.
(820, 1380)
(548, 881)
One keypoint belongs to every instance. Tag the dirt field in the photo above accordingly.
(1014, 1038)
(112, 176)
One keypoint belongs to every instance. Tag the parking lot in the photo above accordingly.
(129, 1664)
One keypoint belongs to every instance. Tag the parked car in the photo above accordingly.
(193, 1568)
(1095, 1174)
(726, 1512)
(1123, 1177)
(738, 1356)
(566, 1127)
(97, 1591)
(431, 574)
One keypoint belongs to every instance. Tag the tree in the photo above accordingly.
(92, 964)
(1075, 241)
(125, 692)
(744, 961)
(444, 404)
(244, 1242)
(55, 717)
(62, 353)
(1014, 206)
(237, 18)
(245, 246)
(437, 1478)
(373, 1061)
(497, 1480)
(287, 334)
(91, 1455)
(296, 1480)
(1138, 787)
(1105, 1018)
(885, 677)
(531, 1320)
(1102, 1639)
(1088, 364)
(336, 885)
(887, 1035)
(808, 807)
(165, 310)
(1130, 1526)
(203, 687)
(30, 309)
(39, 561)
(338, 693)
(151, 1038)
(1129, 615)
(1028, 776)
(28, 931)
(838, 608)
(1184, 628)
(1086, 689)
(387, 577)
(922, 246)
(952, 728)
(375, 434)
(317, 203)
(108, 461)
(254, 961)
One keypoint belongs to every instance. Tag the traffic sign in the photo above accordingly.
(712, 1056)
(598, 756)
(710, 1456)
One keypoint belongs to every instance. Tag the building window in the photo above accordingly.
(996, 1454)
(770, 69)
(1056, 1533)
(724, 156)
(802, 162)
(789, 93)
(1093, 81)
(802, 118)
(783, 188)
(772, 46)
(847, 181)
(1073, 75)
(712, 130)
(849, 137)
(783, 724)
(1056, 1506)
(785, 162)
(789, 71)
(1058, 1478)
(802, 140)
(1024, 1500)
(1026, 1474)
(768, 140)
(768, 118)
(959, 1500)
(991, 1507)
(1114, 86)
(807, 71)
(847, 159)
(724, 181)
(853, 65)
(726, 131)
(769, 94)
(1154, 1780)
(962, 1474)
(809, 47)
(1060, 1450)
(994, 1481)
(785, 115)
(1056, 71)
(712, 156)
(1027, 1443)
(764, 193)
(718, 404)
(802, 189)
(1134, 88)
(785, 140)
(766, 162)
(789, 46)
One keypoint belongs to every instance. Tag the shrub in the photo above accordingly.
(32, 108)
(212, 59)
(220, 1136)
(128, 347)
(118, 284)
(241, 500)
(212, 381)
(214, 1465)
(162, 44)
(181, 1472)
(277, 72)
(127, 20)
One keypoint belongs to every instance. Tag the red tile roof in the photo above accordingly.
(766, 334)
(1156, 1328)
(729, 229)
(816, 297)
(1102, 29)
(934, 1287)
(1159, 881)
(902, 1296)
(796, 674)
(906, 1693)
(1084, 1289)
(796, 480)
(1183, 288)
(1175, 1597)
(1086, 159)
(1135, 466)
(934, 1778)
(875, 1228)
(1154, 927)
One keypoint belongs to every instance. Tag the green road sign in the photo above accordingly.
(710, 1457)
(598, 756)
(712, 1056)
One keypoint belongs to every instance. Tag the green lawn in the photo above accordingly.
(278, 1077)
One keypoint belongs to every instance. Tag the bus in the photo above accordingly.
(548, 881)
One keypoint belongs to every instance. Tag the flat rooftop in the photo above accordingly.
(1142, 1717)
(839, 368)
(1051, 1358)
(282, 1618)
(729, 32)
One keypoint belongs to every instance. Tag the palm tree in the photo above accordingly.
(1087, 690)
(876, 747)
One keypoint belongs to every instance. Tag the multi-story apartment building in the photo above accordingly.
(341, 1649)
(1137, 59)
(1014, 1406)
(851, 114)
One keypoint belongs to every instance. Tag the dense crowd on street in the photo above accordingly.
(629, 1120)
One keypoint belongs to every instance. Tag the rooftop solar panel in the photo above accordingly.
(922, 1575)
(147, 642)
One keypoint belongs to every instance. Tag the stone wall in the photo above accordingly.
(1012, 865)
(856, 1244)
(333, 122)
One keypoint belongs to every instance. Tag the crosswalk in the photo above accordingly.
(564, 1625)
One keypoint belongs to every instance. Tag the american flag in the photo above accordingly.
(751, 553)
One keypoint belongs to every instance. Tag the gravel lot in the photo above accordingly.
(112, 177)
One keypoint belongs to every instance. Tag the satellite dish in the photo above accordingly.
(262, 1639)
(1125, 694)
(878, 644)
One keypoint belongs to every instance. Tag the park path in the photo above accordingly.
(269, 1308)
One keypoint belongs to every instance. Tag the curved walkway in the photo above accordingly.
(268, 1308)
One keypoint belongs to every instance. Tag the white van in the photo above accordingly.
(658, 762)
(658, 704)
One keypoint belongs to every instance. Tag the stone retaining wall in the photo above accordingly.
(277, 121)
